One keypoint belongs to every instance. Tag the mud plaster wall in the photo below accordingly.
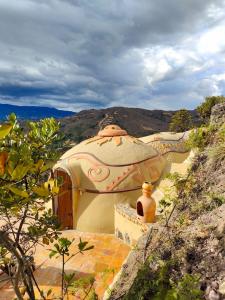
(96, 212)
(127, 225)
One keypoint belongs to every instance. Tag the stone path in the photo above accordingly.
(104, 261)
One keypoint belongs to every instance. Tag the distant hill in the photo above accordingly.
(84, 124)
(138, 122)
(32, 112)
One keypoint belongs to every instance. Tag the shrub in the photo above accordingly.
(159, 285)
(181, 121)
(214, 200)
(217, 153)
(187, 289)
(200, 137)
(205, 108)
(26, 159)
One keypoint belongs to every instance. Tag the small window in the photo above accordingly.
(140, 209)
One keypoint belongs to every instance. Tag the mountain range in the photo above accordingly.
(137, 121)
(32, 112)
(84, 124)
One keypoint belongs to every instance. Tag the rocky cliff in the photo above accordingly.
(183, 256)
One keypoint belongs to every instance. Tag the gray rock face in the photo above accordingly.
(213, 295)
(218, 114)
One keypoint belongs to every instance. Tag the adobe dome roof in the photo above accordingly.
(114, 147)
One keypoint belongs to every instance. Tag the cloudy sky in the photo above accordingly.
(80, 54)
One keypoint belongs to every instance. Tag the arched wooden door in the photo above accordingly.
(63, 205)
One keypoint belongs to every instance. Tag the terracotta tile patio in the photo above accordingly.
(104, 261)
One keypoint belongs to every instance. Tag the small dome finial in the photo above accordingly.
(112, 130)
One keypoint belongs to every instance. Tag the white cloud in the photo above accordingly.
(82, 54)
(212, 41)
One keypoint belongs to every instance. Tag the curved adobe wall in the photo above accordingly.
(96, 213)
(107, 170)
(93, 210)
(127, 226)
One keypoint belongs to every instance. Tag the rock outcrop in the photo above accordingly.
(218, 114)
(194, 237)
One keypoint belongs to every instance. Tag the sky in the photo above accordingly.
(82, 54)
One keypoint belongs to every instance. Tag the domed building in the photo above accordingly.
(100, 172)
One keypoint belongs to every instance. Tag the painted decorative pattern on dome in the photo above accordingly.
(164, 147)
(116, 181)
(98, 173)
(116, 139)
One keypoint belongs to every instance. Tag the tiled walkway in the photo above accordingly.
(104, 261)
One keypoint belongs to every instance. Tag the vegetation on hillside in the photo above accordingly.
(184, 255)
(181, 121)
(205, 108)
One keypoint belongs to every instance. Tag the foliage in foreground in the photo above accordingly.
(25, 157)
(26, 160)
(70, 285)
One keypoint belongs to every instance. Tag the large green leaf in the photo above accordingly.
(48, 165)
(51, 186)
(18, 192)
(5, 130)
(41, 191)
(39, 164)
(20, 171)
